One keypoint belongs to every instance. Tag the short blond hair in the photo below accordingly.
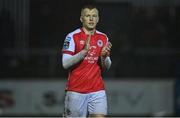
(88, 7)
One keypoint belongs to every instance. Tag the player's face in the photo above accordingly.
(89, 18)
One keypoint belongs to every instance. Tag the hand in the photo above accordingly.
(106, 50)
(87, 44)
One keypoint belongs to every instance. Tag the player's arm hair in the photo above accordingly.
(70, 60)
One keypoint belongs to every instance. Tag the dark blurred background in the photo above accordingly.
(144, 33)
(145, 36)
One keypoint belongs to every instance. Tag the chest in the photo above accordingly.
(96, 44)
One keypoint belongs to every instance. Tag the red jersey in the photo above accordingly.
(85, 76)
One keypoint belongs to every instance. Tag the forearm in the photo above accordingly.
(70, 60)
(106, 62)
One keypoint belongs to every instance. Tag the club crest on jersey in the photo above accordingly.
(100, 43)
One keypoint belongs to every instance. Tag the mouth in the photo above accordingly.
(91, 24)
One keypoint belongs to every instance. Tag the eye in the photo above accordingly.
(94, 15)
(87, 15)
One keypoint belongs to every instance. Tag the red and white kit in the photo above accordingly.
(85, 76)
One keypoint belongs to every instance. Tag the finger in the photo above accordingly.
(110, 44)
(108, 53)
(108, 48)
(88, 39)
(104, 48)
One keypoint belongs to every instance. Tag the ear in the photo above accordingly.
(81, 19)
(97, 19)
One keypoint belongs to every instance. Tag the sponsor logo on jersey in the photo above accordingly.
(100, 43)
(66, 43)
(68, 39)
(91, 57)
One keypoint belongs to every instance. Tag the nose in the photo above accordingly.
(91, 18)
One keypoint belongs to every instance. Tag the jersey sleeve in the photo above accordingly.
(69, 45)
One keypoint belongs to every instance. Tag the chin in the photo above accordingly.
(91, 28)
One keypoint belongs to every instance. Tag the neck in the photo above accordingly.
(88, 32)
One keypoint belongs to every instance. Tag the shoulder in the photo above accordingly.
(103, 35)
(71, 34)
(100, 33)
